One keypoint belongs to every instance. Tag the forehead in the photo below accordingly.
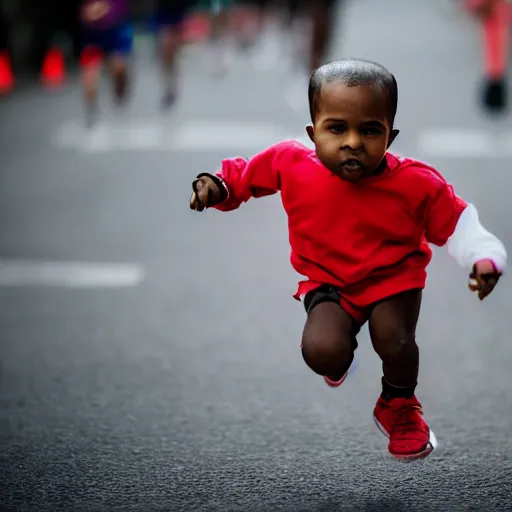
(359, 103)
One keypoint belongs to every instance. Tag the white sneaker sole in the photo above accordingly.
(431, 446)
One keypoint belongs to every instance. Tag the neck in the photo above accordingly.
(380, 168)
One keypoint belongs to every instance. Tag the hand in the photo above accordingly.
(206, 193)
(484, 278)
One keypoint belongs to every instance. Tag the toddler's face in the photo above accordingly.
(352, 129)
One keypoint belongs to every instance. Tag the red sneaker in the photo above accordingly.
(337, 383)
(401, 420)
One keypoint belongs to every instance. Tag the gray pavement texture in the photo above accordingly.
(189, 392)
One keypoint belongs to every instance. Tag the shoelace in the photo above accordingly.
(407, 420)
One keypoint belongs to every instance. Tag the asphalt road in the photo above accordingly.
(184, 388)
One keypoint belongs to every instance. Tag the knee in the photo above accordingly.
(327, 354)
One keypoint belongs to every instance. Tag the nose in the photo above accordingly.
(352, 140)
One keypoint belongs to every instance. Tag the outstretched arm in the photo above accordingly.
(455, 224)
(240, 179)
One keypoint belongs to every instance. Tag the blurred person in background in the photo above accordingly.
(312, 23)
(233, 23)
(321, 13)
(221, 34)
(251, 16)
(106, 33)
(168, 22)
(496, 19)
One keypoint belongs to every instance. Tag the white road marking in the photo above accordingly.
(195, 135)
(141, 137)
(226, 135)
(108, 137)
(465, 143)
(69, 274)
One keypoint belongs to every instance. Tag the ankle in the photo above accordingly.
(389, 391)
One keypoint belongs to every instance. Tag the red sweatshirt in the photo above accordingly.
(371, 239)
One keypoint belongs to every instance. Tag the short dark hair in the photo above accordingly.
(353, 72)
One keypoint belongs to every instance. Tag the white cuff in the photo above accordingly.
(471, 242)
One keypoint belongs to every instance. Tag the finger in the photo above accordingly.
(487, 288)
(202, 196)
(487, 280)
(197, 206)
(490, 281)
(482, 294)
(473, 283)
(193, 201)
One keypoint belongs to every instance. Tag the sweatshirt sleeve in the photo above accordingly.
(471, 242)
(258, 176)
(453, 223)
(443, 212)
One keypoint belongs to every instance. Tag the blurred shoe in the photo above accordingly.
(495, 95)
(401, 420)
(121, 89)
(247, 42)
(170, 87)
(169, 99)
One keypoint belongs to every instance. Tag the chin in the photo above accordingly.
(351, 178)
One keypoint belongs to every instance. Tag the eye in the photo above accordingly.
(337, 128)
(368, 132)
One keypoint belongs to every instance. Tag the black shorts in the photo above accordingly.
(169, 13)
(324, 293)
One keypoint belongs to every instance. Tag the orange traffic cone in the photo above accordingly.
(6, 75)
(53, 71)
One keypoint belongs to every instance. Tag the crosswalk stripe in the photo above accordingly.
(213, 135)
(69, 274)
(464, 143)
(196, 135)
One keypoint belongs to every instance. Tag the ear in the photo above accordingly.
(392, 136)
(310, 130)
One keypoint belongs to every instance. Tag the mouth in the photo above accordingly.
(351, 166)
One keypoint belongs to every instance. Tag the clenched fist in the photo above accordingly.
(484, 278)
(207, 191)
